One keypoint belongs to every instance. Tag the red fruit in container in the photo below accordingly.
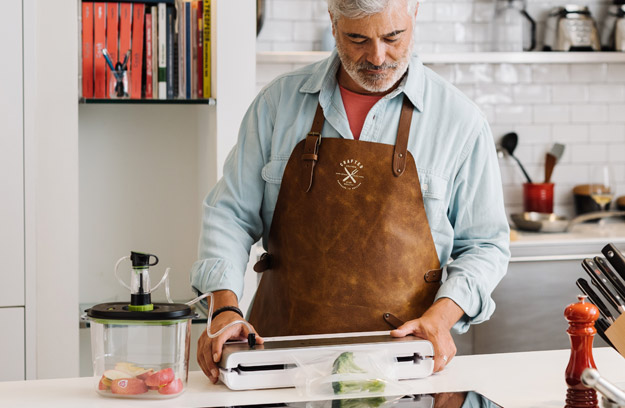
(173, 387)
(104, 384)
(145, 375)
(160, 378)
(128, 386)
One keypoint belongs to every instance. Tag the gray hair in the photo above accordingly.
(362, 8)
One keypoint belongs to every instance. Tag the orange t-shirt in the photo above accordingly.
(357, 106)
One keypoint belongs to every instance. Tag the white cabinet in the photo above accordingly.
(12, 344)
(11, 157)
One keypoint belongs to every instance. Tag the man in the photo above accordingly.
(363, 174)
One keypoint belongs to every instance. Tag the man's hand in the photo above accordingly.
(209, 350)
(435, 326)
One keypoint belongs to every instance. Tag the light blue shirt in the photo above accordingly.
(455, 156)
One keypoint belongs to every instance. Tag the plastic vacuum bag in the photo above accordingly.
(347, 374)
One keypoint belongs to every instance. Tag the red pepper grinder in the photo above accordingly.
(581, 317)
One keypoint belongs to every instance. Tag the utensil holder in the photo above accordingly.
(538, 197)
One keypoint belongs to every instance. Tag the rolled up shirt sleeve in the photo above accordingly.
(232, 221)
(481, 233)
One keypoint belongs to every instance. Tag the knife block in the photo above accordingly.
(616, 334)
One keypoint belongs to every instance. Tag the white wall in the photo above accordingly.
(443, 25)
(579, 105)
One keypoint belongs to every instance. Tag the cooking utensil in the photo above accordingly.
(609, 273)
(583, 285)
(140, 349)
(513, 28)
(273, 363)
(551, 159)
(613, 32)
(541, 222)
(616, 259)
(509, 142)
(592, 379)
(603, 284)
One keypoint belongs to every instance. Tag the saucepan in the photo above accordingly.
(543, 222)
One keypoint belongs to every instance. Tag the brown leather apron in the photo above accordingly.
(349, 241)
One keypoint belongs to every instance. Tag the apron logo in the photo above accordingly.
(349, 177)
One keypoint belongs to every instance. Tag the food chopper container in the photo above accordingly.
(140, 349)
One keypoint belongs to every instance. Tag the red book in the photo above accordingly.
(149, 92)
(87, 50)
(99, 39)
(136, 63)
(112, 33)
(125, 24)
(200, 51)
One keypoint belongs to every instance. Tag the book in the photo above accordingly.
(136, 63)
(172, 54)
(206, 49)
(162, 51)
(180, 36)
(200, 48)
(187, 50)
(99, 40)
(149, 94)
(87, 50)
(154, 45)
(112, 36)
(125, 29)
(193, 42)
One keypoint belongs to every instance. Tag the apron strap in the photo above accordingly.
(403, 132)
(311, 147)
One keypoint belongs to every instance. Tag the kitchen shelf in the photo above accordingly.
(307, 57)
(210, 101)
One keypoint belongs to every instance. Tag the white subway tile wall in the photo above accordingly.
(588, 116)
(443, 25)
(579, 105)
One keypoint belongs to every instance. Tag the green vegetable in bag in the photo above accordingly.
(374, 402)
(344, 364)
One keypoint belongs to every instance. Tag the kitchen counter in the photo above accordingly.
(530, 379)
(580, 242)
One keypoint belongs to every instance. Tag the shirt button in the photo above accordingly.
(425, 187)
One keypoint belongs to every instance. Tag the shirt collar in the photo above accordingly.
(323, 80)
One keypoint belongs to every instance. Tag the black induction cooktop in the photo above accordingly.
(467, 399)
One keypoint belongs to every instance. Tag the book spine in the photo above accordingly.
(187, 50)
(136, 64)
(100, 43)
(112, 34)
(87, 50)
(200, 50)
(154, 46)
(207, 49)
(148, 57)
(162, 51)
(171, 56)
(193, 41)
(125, 28)
(181, 49)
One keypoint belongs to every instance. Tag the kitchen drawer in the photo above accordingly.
(12, 344)
(529, 314)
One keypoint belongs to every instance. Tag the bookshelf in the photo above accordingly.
(210, 101)
(102, 179)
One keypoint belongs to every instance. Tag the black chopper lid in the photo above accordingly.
(141, 260)
(120, 311)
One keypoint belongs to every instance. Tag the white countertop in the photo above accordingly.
(531, 379)
(582, 241)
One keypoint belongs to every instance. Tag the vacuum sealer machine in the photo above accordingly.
(273, 363)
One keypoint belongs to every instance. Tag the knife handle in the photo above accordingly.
(614, 279)
(616, 259)
(583, 285)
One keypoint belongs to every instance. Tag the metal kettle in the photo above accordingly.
(513, 29)
(571, 28)
(613, 31)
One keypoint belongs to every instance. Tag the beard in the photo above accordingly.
(391, 73)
